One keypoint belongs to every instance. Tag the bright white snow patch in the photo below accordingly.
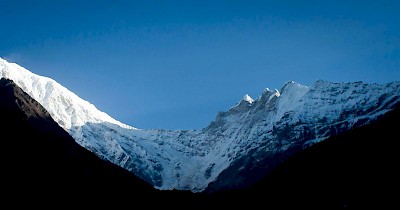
(277, 93)
(248, 98)
(66, 108)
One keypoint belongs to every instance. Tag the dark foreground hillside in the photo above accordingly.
(41, 165)
(357, 169)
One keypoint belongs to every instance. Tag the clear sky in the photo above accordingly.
(176, 64)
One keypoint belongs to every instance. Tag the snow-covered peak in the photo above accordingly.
(248, 99)
(290, 97)
(290, 85)
(67, 109)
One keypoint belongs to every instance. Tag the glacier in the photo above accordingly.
(278, 121)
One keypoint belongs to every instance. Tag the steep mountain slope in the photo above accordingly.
(356, 169)
(43, 166)
(39, 159)
(239, 147)
(300, 117)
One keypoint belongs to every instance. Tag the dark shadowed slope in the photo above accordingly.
(41, 164)
(357, 169)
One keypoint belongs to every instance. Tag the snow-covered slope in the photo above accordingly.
(243, 137)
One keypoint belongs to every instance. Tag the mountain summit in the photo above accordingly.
(236, 149)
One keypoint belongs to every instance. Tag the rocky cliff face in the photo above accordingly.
(237, 148)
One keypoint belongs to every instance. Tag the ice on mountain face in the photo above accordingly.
(191, 159)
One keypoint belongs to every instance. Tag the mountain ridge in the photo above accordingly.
(275, 126)
(324, 175)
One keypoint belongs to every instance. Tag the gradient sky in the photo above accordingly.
(176, 64)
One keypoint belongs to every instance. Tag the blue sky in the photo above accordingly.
(176, 64)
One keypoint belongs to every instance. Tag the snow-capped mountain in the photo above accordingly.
(238, 144)
(52, 161)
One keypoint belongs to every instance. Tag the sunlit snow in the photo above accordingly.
(191, 159)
